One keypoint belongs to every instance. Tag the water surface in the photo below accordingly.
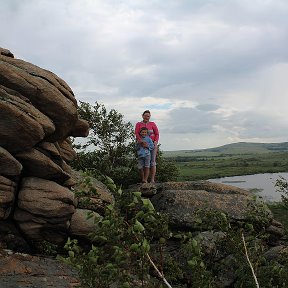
(262, 185)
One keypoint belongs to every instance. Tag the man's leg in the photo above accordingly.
(153, 173)
(146, 174)
(141, 167)
(142, 175)
(146, 168)
(153, 164)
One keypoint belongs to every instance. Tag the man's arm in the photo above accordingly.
(156, 132)
(151, 144)
(137, 130)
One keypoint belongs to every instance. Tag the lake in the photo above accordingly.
(262, 185)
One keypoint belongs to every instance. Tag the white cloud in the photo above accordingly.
(210, 76)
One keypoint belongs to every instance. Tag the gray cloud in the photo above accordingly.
(207, 107)
(252, 124)
(240, 125)
(191, 120)
(179, 51)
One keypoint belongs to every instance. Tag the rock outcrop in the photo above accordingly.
(26, 271)
(181, 201)
(38, 115)
(195, 207)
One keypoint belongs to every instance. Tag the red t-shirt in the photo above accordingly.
(153, 131)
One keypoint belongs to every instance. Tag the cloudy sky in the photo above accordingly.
(211, 72)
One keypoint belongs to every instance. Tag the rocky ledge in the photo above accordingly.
(23, 270)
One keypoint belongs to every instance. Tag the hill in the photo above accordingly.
(240, 148)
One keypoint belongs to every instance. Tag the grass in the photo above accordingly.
(280, 213)
(207, 167)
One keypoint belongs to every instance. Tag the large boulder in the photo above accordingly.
(182, 201)
(83, 223)
(22, 125)
(39, 165)
(66, 150)
(46, 198)
(93, 194)
(181, 205)
(7, 197)
(47, 92)
(8, 164)
(44, 209)
(38, 114)
(26, 271)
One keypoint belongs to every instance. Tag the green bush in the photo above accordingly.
(282, 187)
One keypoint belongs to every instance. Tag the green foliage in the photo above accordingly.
(259, 216)
(120, 244)
(110, 148)
(282, 187)
(166, 169)
(46, 248)
(270, 274)
(209, 219)
(236, 259)
(193, 265)
(275, 273)
(86, 188)
(230, 250)
(109, 132)
(131, 236)
(280, 213)
(110, 143)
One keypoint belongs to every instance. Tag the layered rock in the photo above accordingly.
(38, 115)
(7, 197)
(181, 201)
(40, 165)
(8, 164)
(45, 91)
(26, 271)
(22, 126)
(83, 223)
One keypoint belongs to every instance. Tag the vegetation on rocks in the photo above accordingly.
(121, 245)
(280, 209)
(134, 246)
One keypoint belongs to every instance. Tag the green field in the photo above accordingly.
(230, 160)
(280, 213)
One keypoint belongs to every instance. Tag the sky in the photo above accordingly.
(211, 72)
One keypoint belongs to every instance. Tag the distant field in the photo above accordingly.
(231, 149)
(189, 153)
(280, 214)
(230, 160)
